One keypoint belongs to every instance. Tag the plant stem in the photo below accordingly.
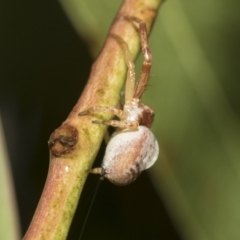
(74, 145)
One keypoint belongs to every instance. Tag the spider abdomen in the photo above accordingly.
(128, 153)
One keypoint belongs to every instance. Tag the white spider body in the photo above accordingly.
(132, 111)
(128, 153)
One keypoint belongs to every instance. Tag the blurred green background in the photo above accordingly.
(194, 90)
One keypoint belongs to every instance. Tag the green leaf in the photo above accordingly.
(9, 228)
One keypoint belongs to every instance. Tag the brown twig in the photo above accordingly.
(74, 145)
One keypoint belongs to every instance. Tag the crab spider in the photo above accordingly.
(133, 147)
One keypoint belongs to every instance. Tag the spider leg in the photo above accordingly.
(126, 125)
(146, 66)
(96, 170)
(97, 109)
(130, 82)
(99, 170)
